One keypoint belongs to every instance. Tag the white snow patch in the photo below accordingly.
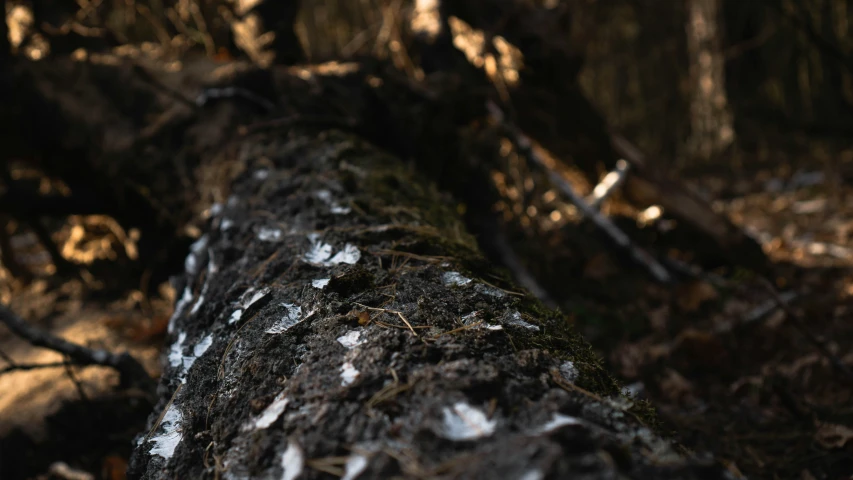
(532, 475)
(186, 297)
(355, 466)
(267, 234)
(211, 269)
(292, 461)
(191, 262)
(291, 318)
(321, 253)
(489, 290)
(336, 208)
(464, 422)
(454, 279)
(320, 283)
(177, 358)
(166, 442)
(226, 224)
(515, 320)
(236, 316)
(197, 305)
(270, 414)
(348, 374)
(255, 297)
(351, 339)
(569, 372)
(558, 421)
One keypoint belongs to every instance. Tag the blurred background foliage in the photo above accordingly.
(780, 71)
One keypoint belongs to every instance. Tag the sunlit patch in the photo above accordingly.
(463, 422)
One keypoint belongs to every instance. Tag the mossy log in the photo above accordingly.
(336, 320)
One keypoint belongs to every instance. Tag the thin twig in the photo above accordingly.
(609, 184)
(797, 322)
(658, 271)
(15, 367)
(130, 371)
(395, 312)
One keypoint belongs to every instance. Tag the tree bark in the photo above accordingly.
(335, 320)
(710, 119)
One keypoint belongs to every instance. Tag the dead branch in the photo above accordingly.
(622, 241)
(131, 372)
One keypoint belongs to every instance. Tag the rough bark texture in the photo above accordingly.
(337, 321)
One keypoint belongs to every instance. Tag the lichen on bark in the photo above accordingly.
(336, 319)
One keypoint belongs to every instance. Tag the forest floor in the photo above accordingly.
(726, 368)
(730, 370)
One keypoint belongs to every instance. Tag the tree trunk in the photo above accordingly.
(335, 319)
(711, 129)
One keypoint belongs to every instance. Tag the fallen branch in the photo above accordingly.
(603, 223)
(608, 184)
(132, 374)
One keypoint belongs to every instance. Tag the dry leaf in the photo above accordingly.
(831, 435)
(691, 296)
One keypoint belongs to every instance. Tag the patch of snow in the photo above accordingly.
(191, 262)
(177, 359)
(348, 374)
(292, 461)
(267, 234)
(186, 297)
(255, 296)
(351, 339)
(236, 316)
(355, 466)
(226, 224)
(321, 253)
(167, 441)
(335, 207)
(320, 283)
(291, 318)
(557, 421)
(569, 372)
(463, 422)
(515, 320)
(211, 269)
(490, 291)
(270, 414)
(454, 279)
(532, 475)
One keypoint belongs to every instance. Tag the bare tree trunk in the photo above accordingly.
(335, 319)
(711, 129)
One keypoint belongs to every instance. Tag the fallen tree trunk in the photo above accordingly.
(335, 319)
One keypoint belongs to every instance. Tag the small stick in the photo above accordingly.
(603, 223)
(609, 184)
(797, 322)
(131, 372)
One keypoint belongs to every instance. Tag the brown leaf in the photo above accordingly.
(831, 435)
(692, 295)
(599, 267)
